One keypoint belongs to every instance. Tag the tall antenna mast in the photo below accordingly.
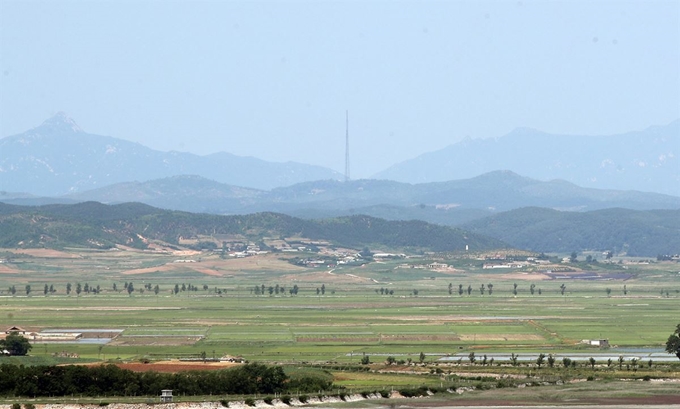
(346, 146)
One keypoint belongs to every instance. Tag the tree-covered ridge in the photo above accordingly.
(368, 230)
(636, 233)
(93, 224)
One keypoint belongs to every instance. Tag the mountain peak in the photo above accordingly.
(61, 122)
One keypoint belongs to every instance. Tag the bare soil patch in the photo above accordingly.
(165, 267)
(176, 366)
(325, 277)
(5, 269)
(45, 253)
(207, 271)
(155, 341)
(501, 337)
(417, 338)
(337, 339)
(235, 265)
(526, 276)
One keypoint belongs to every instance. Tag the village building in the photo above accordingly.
(166, 396)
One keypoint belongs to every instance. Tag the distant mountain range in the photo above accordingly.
(58, 157)
(448, 203)
(647, 160)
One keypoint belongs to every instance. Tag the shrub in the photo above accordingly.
(502, 383)
(303, 398)
(385, 394)
(285, 399)
(29, 406)
(409, 393)
(225, 403)
(103, 403)
(250, 402)
(16, 406)
(268, 400)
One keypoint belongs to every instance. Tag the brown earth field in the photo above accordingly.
(325, 277)
(336, 339)
(501, 337)
(155, 341)
(221, 267)
(526, 276)
(8, 270)
(173, 366)
(45, 253)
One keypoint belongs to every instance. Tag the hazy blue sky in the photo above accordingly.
(273, 79)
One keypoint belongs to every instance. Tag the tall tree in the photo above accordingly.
(540, 359)
(16, 344)
(513, 359)
(673, 342)
(551, 360)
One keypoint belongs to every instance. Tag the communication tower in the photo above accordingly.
(346, 146)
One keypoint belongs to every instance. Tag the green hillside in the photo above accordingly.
(635, 233)
(95, 225)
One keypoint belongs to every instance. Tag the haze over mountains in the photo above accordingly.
(58, 157)
(491, 192)
(59, 160)
(646, 160)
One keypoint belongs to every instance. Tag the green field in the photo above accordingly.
(350, 319)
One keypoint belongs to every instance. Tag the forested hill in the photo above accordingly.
(635, 233)
(95, 225)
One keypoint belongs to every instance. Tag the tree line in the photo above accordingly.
(110, 380)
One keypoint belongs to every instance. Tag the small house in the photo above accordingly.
(16, 329)
(166, 396)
